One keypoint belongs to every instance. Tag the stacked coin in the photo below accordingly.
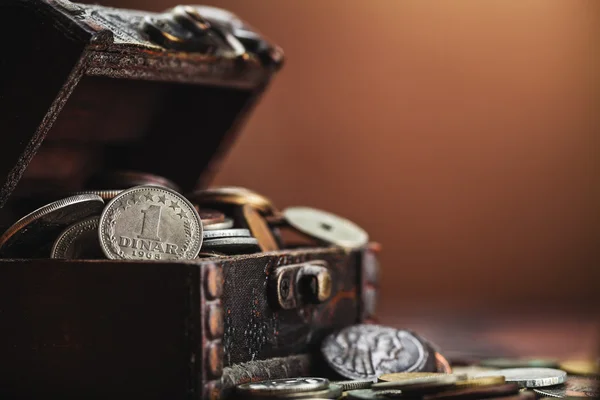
(292, 388)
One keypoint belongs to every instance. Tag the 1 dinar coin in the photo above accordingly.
(79, 241)
(278, 387)
(575, 386)
(530, 377)
(325, 226)
(33, 235)
(150, 223)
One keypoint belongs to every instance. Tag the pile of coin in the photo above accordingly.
(145, 217)
(380, 362)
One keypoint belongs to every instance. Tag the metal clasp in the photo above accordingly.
(293, 286)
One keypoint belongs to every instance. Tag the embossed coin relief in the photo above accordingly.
(150, 223)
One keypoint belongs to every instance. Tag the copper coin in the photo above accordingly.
(442, 364)
(211, 217)
(476, 392)
(259, 228)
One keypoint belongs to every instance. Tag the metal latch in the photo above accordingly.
(293, 286)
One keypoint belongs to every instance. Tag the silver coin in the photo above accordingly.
(150, 223)
(530, 377)
(354, 385)
(79, 241)
(225, 233)
(370, 394)
(227, 224)
(367, 351)
(332, 392)
(107, 194)
(575, 386)
(33, 235)
(326, 227)
(232, 245)
(277, 387)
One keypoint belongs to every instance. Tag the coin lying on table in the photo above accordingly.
(226, 233)
(354, 385)
(367, 351)
(325, 226)
(530, 377)
(403, 376)
(575, 386)
(33, 235)
(278, 387)
(581, 367)
(150, 223)
(79, 241)
(419, 385)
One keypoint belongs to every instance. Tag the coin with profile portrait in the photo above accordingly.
(367, 351)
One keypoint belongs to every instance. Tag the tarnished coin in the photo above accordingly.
(370, 394)
(278, 387)
(441, 364)
(420, 385)
(367, 351)
(128, 179)
(259, 228)
(402, 376)
(476, 392)
(226, 224)
(233, 245)
(226, 233)
(581, 367)
(482, 381)
(326, 227)
(530, 377)
(575, 386)
(519, 363)
(332, 392)
(150, 223)
(33, 235)
(211, 217)
(107, 194)
(235, 196)
(79, 241)
(354, 385)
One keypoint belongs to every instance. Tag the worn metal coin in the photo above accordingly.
(519, 363)
(581, 367)
(278, 387)
(107, 194)
(441, 364)
(476, 392)
(150, 223)
(367, 351)
(575, 386)
(332, 392)
(424, 384)
(234, 196)
(530, 377)
(326, 227)
(233, 245)
(225, 233)
(79, 241)
(33, 235)
(226, 224)
(354, 385)
(260, 229)
(402, 376)
(210, 217)
(483, 381)
(369, 394)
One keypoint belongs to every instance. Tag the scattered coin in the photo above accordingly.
(354, 385)
(226, 224)
(260, 229)
(581, 367)
(519, 363)
(33, 235)
(477, 392)
(150, 223)
(366, 351)
(442, 365)
(104, 194)
(402, 376)
(278, 387)
(79, 241)
(233, 245)
(420, 385)
(575, 386)
(326, 227)
(234, 196)
(211, 217)
(226, 233)
(471, 370)
(530, 377)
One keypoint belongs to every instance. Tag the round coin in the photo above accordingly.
(367, 351)
(277, 387)
(233, 245)
(441, 364)
(79, 241)
(33, 235)
(260, 229)
(225, 233)
(402, 376)
(421, 385)
(105, 194)
(326, 227)
(367, 394)
(483, 381)
(332, 392)
(530, 377)
(150, 223)
(581, 367)
(211, 217)
(226, 224)
(235, 196)
(354, 385)
(519, 363)
(575, 386)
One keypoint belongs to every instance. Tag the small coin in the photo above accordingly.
(519, 363)
(354, 385)
(129, 179)
(235, 196)
(211, 217)
(326, 227)
(79, 241)
(483, 381)
(369, 394)
(442, 365)
(421, 385)
(150, 223)
(402, 376)
(226, 233)
(332, 392)
(581, 367)
(575, 386)
(33, 235)
(226, 224)
(260, 229)
(530, 377)
(472, 370)
(107, 194)
(367, 351)
(234, 245)
(278, 387)
(476, 392)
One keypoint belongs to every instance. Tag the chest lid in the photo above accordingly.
(87, 88)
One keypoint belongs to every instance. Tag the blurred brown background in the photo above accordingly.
(463, 136)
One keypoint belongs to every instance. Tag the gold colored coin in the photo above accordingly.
(259, 228)
(402, 376)
(580, 367)
(483, 381)
(234, 196)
